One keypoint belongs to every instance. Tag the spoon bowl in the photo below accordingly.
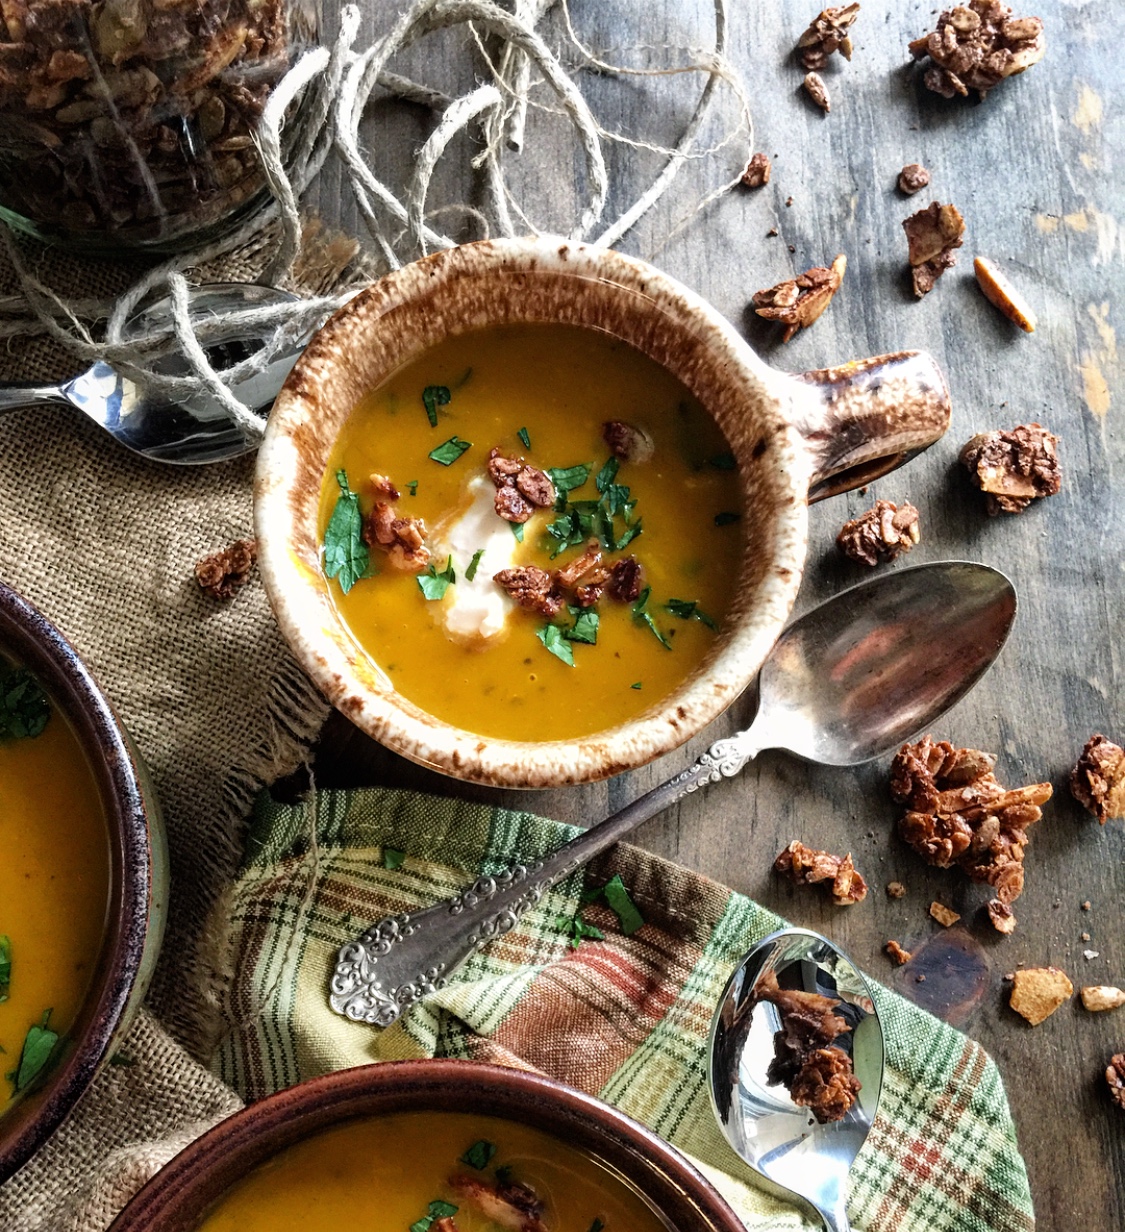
(789, 1150)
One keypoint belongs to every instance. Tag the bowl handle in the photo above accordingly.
(871, 416)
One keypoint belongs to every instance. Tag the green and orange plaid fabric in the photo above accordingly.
(626, 1018)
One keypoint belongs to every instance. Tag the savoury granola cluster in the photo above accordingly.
(931, 235)
(1014, 468)
(827, 33)
(807, 866)
(975, 47)
(958, 815)
(797, 302)
(1115, 1079)
(222, 574)
(403, 539)
(884, 532)
(1097, 781)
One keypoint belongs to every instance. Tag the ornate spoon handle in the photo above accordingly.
(403, 957)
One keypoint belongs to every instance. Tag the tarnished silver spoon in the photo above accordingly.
(847, 682)
(189, 431)
(790, 1151)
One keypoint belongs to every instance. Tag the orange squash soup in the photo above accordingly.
(417, 1171)
(54, 880)
(533, 531)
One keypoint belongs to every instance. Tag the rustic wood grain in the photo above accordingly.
(1036, 171)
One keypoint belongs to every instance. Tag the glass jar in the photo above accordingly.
(129, 123)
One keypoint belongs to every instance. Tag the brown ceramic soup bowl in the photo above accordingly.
(794, 439)
(181, 1194)
(137, 880)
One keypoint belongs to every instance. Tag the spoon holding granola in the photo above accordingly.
(796, 1068)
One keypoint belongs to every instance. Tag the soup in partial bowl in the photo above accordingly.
(81, 880)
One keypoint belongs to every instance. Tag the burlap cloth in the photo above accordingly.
(105, 543)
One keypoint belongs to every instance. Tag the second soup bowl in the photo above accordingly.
(793, 439)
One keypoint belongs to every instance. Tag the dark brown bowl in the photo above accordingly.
(138, 879)
(178, 1197)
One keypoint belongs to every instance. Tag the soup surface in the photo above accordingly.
(54, 881)
(624, 466)
(382, 1174)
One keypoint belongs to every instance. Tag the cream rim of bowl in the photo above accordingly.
(826, 431)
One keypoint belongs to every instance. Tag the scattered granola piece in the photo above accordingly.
(1084, 937)
(1038, 991)
(913, 178)
(882, 533)
(757, 171)
(1097, 782)
(382, 487)
(931, 236)
(509, 1205)
(999, 292)
(1115, 1079)
(975, 48)
(806, 866)
(944, 915)
(818, 91)
(1014, 468)
(798, 302)
(626, 580)
(1002, 916)
(403, 539)
(222, 574)
(959, 814)
(520, 489)
(584, 577)
(1098, 997)
(532, 588)
(1086, 905)
(895, 889)
(828, 32)
(627, 442)
(897, 953)
(826, 1085)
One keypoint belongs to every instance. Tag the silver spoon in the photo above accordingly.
(186, 432)
(789, 1150)
(847, 682)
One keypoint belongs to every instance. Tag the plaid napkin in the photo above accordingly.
(625, 1018)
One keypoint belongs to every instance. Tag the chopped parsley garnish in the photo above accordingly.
(434, 396)
(346, 557)
(722, 462)
(38, 1045)
(517, 530)
(434, 584)
(471, 571)
(555, 641)
(585, 627)
(5, 966)
(607, 474)
(567, 478)
(725, 519)
(393, 859)
(522, 434)
(412, 486)
(622, 905)
(579, 521)
(689, 609)
(577, 930)
(643, 616)
(438, 1210)
(635, 685)
(450, 451)
(24, 708)
(479, 1155)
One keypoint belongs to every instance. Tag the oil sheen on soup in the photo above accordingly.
(54, 880)
(432, 1172)
(534, 531)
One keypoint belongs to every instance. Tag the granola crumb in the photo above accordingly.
(1100, 997)
(757, 171)
(807, 866)
(944, 915)
(897, 953)
(895, 889)
(627, 442)
(976, 47)
(222, 574)
(788, 202)
(1086, 905)
(1038, 991)
(1084, 937)
(828, 33)
(919, 979)
(797, 302)
(884, 532)
(1097, 781)
(913, 178)
(772, 233)
(1115, 1079)
(818, 91)
(931, 235)
(1013, 468)
(1002, 916)
(998, 290)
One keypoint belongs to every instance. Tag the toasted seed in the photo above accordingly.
(1000, 292)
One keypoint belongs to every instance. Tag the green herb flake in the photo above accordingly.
(689, 609)
(38, 1045)
(577, 930)
(607, 474)
(517, 530)
(393, 859)
(438, 1210)
(479, 1155)
(555, 641)
(568, 478)
(433, 584)
(585, 627)
(121, 1061)
(5, 966)
(434, 396)
(725, 519)
(635, 685)
(412, 487)
(643, 616)
(450, 451)
(24, 708)
(622, 905)
(723, 462)
(346, 557)
(471, 571)
(522, 434)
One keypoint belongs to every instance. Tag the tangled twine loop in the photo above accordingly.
(335, 86)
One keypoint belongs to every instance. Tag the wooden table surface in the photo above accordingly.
(1036, 171)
